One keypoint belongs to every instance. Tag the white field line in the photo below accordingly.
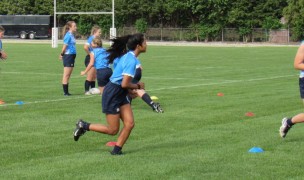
(51, 74)
(225, 82)
(76, 76)
(53, 100)
(167, 88)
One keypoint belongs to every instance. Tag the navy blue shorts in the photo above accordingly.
(68, 60)
(103, 76)
(113, 97)
(301, 85)
(87, 60)
(137, 76)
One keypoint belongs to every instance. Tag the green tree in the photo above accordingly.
(141, 25)
(294, 14)
(211, 15)
(271, 23)
(20, 7)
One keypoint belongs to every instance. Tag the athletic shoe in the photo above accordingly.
(67, 94)
(79, 131)
(116, 153)
(284, 128)
(87, 93)
(157, 108)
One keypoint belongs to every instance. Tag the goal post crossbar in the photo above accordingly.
(84, 12)
(55, 29)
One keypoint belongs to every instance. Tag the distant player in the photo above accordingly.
(287, 123)
(99, 61)
(68, 54)
(115, 103)
(3, 55)
(91, 74)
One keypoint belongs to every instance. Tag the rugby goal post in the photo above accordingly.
(55, 29)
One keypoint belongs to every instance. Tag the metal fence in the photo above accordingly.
(281, 36)
(226, 35)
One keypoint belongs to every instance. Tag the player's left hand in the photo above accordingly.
(82, 73)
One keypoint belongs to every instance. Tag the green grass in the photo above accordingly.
(200, 135)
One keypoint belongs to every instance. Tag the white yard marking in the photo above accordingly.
(159, 89)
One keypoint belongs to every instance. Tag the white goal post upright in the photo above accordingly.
(55, 29)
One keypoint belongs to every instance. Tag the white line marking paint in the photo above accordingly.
(174, 87)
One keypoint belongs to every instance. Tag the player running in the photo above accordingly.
(115, 103)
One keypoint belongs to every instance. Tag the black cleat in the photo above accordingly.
(116, 153)
(157, 108)
(79, 131)
(284, 128)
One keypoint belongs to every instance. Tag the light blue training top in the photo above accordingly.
(101, 58)
(70, 41)
(89, 41)
(116, 60)
(125, 66)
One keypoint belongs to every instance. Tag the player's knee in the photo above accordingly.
(113, 132)
(129, 125)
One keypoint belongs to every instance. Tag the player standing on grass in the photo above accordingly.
(115, 103)
(91, 74)
(68, 54)
(3, 55)
(99, 60)
(287, 123)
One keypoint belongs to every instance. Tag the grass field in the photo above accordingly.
(200, 135)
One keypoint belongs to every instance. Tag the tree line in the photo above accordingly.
(207, 17)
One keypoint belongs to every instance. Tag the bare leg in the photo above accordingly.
(91, 75)
(67, 71)
(128, 121)
(112, 128)
(299, 118)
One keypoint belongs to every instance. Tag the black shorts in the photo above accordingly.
(87, 60)
(137, 76)
(103, 76)
(301, 85)
(113, 97)
(68, 60)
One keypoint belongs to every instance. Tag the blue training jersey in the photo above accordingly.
(101, 58)
(138, 64)
(301, 71)
(70, 41)
(0, 45)
(115, 62)
(89, 41)
(125, 66)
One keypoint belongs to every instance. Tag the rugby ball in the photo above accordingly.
(94, 91)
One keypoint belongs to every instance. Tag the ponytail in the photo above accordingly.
(67, 27)
(118, 48)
